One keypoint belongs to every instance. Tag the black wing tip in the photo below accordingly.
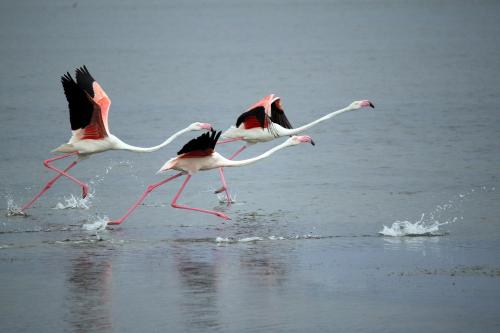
(84, 72)
(85, 79)
(66, 77)
(207, 140)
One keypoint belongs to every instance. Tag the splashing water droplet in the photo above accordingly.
(13, 209)
(73, 202)
(98, 225)
(423, 227)
(223, 199)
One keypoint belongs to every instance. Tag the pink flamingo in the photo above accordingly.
(88, 113)
(265, 121)
(199, 155)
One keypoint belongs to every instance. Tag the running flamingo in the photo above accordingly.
(199, 155)
(88, 114)
(266, 121)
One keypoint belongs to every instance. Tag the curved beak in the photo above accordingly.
(312, 142)
(365, 103)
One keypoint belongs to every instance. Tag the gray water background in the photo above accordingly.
(432, 70)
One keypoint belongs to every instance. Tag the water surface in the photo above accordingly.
(303, 249)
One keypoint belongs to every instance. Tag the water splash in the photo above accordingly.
(423, 227)
(97, 225)
(223, 199)
(73, 202)
(13, 209)
(430, 226)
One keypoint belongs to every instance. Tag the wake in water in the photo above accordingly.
(254, 239)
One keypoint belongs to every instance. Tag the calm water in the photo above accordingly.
(302, 251)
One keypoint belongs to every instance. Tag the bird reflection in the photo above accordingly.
(90, 293)
(261, 261)
(198, 275)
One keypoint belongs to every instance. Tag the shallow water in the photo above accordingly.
(303, 249)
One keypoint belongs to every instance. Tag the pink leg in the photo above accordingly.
(176, 205)
(50, 182)
(46, 187)
(221, 142)
(223, 179)
(85, 187)
(141, 199)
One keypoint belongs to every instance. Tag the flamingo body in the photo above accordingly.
(192, 165)
(88, 106)
(266, 120)
(273, 123)
(250, 135)
(199, 155)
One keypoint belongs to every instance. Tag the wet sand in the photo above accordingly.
(303, 249)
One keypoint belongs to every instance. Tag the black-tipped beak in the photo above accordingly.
(371, 105)
(312, 142)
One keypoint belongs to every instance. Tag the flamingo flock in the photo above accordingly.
(89, 106)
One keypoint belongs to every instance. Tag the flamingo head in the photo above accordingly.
(298, 139)
(356, 105)
(200, 126)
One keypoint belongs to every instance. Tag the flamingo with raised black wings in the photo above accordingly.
(88, 107)
(266, 121)
(199, 155)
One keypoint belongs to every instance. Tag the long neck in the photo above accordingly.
(231, 163)
(125, 146)
(294, 131)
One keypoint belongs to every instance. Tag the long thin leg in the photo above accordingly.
(85, 187)
(176, 205)
(223, 179)
(46, 187)
(221, 142)
(50, 182)
(143, 197)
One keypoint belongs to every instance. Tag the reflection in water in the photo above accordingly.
(90, 293)
(198, 274)
(420, 244)
(254, 271)
(261, 261)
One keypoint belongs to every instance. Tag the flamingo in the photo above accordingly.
(265, 121)
(88, 107)
(199, 155)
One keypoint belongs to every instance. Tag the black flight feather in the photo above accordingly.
(206, 141)
(85, 80)
(257, 112)
(278, 116)
(79, 103)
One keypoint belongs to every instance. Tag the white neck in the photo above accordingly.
(293, 131)
(125, 146)
(229, 163)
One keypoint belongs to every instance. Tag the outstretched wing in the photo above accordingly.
(201, 146)
(87, 83)
(278, 114)
(255, 117)
(84, 113)
(263, 112)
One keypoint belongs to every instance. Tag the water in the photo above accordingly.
(303, 249)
